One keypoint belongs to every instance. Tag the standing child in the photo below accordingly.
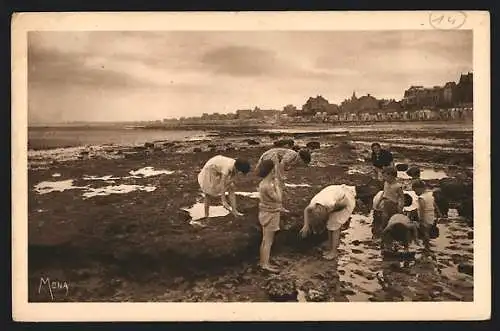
(333, 205)
(270, 205)
(392, 201)
(427, 210)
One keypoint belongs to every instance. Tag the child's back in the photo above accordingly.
(427, 213)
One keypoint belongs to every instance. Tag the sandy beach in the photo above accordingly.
(123, 223)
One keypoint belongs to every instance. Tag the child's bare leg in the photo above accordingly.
(207, 205)
(335, 241)
(232, 200)
(265, 250)
(328, 244)
(425, 239)
(224, 202)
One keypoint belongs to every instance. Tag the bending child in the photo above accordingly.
(217, 177)
(270, 205)
(333, 205)
(399, 229)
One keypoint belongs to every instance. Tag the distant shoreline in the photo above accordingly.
(230, 127)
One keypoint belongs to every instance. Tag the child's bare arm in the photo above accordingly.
(305, 228)
(401, 197)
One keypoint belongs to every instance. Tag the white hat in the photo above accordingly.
(414, 202)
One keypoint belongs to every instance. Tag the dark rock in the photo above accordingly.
(455, 189)
(466, 268)
(413, 172)
(229, 149)
(401, 167)
(149, 145)
(169, 144)
(470, 235)
(466, 209)
(314, 295)
(253, 142)
(442, 201)
(356, 242)
(284, 143)
(212, 146)
(346, 291)
(281, 289)
(356, 251)
(313, 145)
(197, 150)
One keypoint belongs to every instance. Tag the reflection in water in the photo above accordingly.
(362, 274)
(197, 212)
(150, 171)
(425, 174)
(56, 186)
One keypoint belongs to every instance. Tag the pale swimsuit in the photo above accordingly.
(218, 171)
(428, 215)
(269, 206)
(340, 201)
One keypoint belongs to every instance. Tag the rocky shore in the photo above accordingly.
(119, 223)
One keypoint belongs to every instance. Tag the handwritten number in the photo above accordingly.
(450, 20)
(440, 19)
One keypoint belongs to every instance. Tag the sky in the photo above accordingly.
(133, 76)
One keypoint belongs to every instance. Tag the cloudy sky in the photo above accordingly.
(122, 76)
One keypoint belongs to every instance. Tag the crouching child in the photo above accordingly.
(399, 229)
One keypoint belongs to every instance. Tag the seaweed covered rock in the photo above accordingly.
(401, 167)
(455, 189)
(253, 142)
(284, 143)
(313, 145)
(466, 209)
(413, 172)
(281, 288)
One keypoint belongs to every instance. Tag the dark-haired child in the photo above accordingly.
(217, 177)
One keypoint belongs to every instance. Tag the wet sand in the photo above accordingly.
(118, 225)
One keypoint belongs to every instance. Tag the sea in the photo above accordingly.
(41, 138)
(60, 137)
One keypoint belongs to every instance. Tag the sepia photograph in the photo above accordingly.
(269, 165)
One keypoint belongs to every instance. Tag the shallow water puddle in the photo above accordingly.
(149, 171)
(425, 174)
(366, 275)
(117, 189)
(297, 185)
(197, 212)
(253, 195)
(355, 171)
(353, 262)
(104, 178)
(58, 186)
